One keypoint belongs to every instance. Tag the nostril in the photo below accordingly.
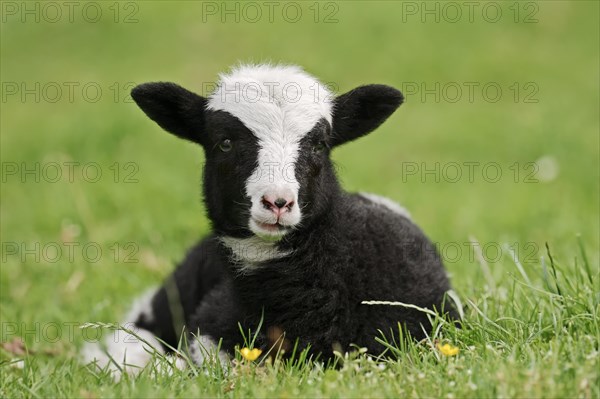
(290, 205)
(266, 203)
(280, 202)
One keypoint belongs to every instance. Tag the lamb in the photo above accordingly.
(290, 250)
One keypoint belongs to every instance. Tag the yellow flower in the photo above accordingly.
(250, 354)
(447, 349)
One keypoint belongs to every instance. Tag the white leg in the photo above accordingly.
(204, 349)
(129, 354)
(126, 353)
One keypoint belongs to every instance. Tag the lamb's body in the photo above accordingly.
(289, 246)
(362, 251)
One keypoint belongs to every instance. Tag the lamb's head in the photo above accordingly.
(267, 133)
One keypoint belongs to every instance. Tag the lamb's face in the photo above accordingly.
(269, 145)
(267, 132)
(263, 189)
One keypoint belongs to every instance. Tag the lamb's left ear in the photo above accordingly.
(362, 110)
(175, 109)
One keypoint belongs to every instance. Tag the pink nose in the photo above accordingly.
(277, 205)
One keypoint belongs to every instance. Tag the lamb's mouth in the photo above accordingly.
(268, 230)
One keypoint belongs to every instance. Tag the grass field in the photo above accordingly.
(495, 153)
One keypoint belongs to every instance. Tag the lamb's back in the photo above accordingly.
(387, 257)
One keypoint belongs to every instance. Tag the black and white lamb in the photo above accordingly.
(289, 246)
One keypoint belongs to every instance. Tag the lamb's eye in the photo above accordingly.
(225, 145)
(319, 147)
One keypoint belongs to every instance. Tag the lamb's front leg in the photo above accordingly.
(160, 317)
(214, 326)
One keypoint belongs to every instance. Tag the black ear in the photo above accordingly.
(175, 109)
(362, 110)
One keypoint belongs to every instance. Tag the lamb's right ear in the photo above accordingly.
(175, 109)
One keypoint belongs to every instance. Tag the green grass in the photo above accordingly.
(531, 325)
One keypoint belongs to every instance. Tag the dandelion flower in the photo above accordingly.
(250, 354)
(447, 349)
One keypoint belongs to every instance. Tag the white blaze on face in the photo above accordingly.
(279, 105)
